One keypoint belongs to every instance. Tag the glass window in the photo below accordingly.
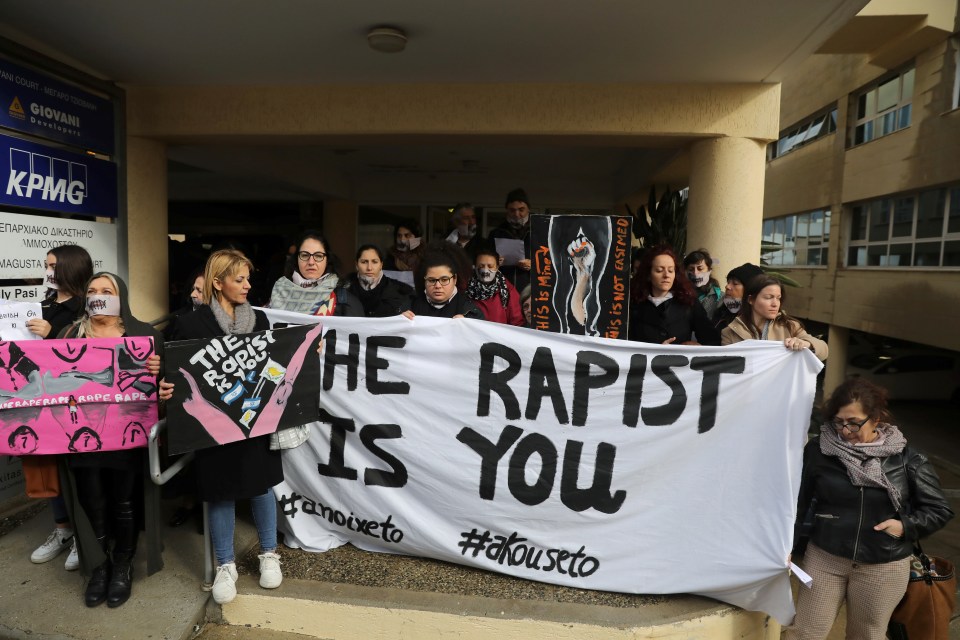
(888, 94)
(880, 220)
(927, 254)
(858, 223)
(802, 133)
(857, 257)
(930, 213)
(816, 224)
(877, 255)
(883, 108)
(900, 255)
(826, 225)
(813, 256)
(951, 254)
(902, 217)
(953, 224)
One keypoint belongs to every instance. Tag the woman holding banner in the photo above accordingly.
(762, 318)
(313, 286)
(872, 498)
(101, 486)
(665, 308)
(246, 469)
(437, 292)
(69, 268)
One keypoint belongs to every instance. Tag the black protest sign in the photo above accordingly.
(581, 274)
(236, 387)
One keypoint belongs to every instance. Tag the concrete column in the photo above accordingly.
(725, 210)
(147, 256)
(837, 362)
(340, 228)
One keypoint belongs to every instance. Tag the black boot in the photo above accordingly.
(96, 591)
(125, 536)
(121, 579)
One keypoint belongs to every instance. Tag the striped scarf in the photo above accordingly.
(864, 464)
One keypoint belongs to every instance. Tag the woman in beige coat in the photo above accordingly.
(761, 318)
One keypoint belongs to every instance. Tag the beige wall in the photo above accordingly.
(826, 173)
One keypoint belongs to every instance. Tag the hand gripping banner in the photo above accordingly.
(235, 387)
(76, 395)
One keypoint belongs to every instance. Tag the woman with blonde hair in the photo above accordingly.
(761, 317)
(246, 469)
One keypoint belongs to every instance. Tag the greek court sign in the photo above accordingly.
(591, 463)
(25, 241)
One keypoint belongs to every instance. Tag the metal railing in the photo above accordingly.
(161, 476)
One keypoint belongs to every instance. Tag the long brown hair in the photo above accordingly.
(752, 289)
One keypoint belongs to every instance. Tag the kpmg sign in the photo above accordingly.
(35, 103)
(39, 177)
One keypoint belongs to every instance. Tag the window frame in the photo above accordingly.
(795, 245)
(869, 246)
(801, 130)
(874, 121)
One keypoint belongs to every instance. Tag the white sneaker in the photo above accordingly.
(57, 542)
(270, 576)
(73, 560)
(225, 584)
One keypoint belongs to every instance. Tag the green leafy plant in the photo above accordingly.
(662, 221)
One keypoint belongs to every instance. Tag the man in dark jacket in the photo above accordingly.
(516, 227)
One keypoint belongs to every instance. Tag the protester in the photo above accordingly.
(407, 248)
(464, 223)
(526, 305)
(379, 295)
(312, 287)
(872, 498)
(104, 483)
(193, 300)
(516, 227)
(68, 270)
(762, 318)
(493, 294)
(246, 469)
(733, 294)
(437, 290)
(698, 265)
(664, 307)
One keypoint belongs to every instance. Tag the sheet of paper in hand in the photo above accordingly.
(75, 396)
(236, 387)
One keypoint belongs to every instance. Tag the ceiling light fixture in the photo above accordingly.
(387, 39)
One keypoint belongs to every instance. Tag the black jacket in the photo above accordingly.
(61, 314)
(460, 305)
(650, 323)
(518, 277)
(844, 515)
(389, 298)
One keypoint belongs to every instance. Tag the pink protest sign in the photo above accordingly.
(75, 396)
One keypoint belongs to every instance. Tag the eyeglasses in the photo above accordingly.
(851, 426)
(305, 256)
(442, 281)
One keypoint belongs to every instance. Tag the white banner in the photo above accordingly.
(25, 241)
(586, 462)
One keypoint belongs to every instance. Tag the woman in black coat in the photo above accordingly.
(246, 469)
(380, 296)
(437, 292)
(664, 306)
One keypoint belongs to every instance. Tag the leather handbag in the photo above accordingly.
(926, 608)
(41, 476)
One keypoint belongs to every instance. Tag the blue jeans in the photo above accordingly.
(223, 516)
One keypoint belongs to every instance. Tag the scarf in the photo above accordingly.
(479, 290)
(317, 300)
(243, 319)
(864, 464)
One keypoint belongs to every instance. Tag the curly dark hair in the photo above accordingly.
(682, 288)
(872, 398)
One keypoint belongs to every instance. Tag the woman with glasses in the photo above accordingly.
(313, 286)
(761, 317)
(437, 294)
(380, 296)
(872, 497)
